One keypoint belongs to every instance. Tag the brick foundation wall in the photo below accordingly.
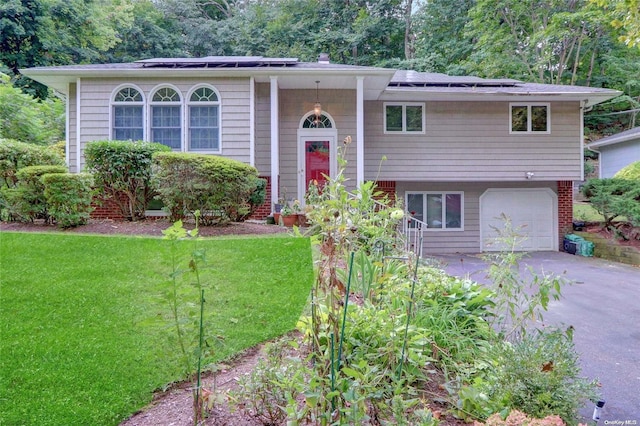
(388, 187)
(105, 210)
(565, 208)
(110, 210)
(265, 209)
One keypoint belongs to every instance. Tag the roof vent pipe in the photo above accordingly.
(323, 58)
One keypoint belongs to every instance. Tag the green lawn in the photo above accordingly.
(584, 211)
(83, 330)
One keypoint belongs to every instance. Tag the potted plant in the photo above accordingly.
(288, 216)
(277, 209)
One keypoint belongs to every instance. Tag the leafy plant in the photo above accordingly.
(220, 188)
(15, 155)
(27, 119)
(518, 300)
(188, 323)
(540, 375)
(68, 197)
(270, 391)
(27, 202)
(122, 171)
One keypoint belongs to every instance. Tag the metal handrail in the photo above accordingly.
(414, 234)
(413, 230)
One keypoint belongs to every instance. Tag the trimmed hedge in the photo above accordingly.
(26, 201)
(122, 173)
(15, 155)
(69, 197)
(220, 188)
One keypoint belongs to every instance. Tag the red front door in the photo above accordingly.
(317, 162)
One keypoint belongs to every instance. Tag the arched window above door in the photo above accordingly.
(313, 122)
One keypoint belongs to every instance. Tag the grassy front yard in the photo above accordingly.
(585, 212)
(84, 326)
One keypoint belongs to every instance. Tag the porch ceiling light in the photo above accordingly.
(317, 108)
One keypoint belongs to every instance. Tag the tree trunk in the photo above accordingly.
(408, 41)
(593, 58)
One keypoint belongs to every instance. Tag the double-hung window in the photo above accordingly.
(439, 210)
(127, 122)
(529, 118)
(404, 117)
(166, 118)
(204, 120)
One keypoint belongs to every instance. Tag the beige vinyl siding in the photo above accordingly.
(471, 141)
(72, 122)
(294, 105)
(234, 97)
(263, 129)
(468, 240)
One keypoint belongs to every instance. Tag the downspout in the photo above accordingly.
(78, 147)
(252, 122)
(582, 108)
(360, 131)
(275, 142)
(67, 127)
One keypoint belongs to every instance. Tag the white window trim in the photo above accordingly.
(444, 211)
(404, 106)
(529, 105)
(187, 120)
(151, 104)
(113, 103)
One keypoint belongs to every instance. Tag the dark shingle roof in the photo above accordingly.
(384, 82)
(625, 136)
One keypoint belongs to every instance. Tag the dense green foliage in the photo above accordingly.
(613, 198)
(122, 172)
(27, 119)
(68, 198)
(84, 318)
(26, 201)
(220, 188)
(630, 172)
(15, 155)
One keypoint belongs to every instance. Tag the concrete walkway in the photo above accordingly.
(603, 306)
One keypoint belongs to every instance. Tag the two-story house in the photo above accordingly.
(460, 151)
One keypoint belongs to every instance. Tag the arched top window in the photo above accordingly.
(204, 120)
(166, 117)
(166, 94)
(128, 94)
(204, 94)
(313, 122)
(127, 114)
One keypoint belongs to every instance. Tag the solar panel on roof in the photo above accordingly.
(218, 62)
(409, 78)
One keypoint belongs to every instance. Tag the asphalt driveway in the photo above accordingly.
(603, 306)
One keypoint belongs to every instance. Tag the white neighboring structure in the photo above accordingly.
(617, 151)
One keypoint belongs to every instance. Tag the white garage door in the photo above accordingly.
(532, 213)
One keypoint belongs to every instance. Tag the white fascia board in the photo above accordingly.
(377, 79)
(612, 140)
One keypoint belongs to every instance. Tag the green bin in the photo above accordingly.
(585, 248)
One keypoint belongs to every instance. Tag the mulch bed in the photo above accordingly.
(146, 227)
